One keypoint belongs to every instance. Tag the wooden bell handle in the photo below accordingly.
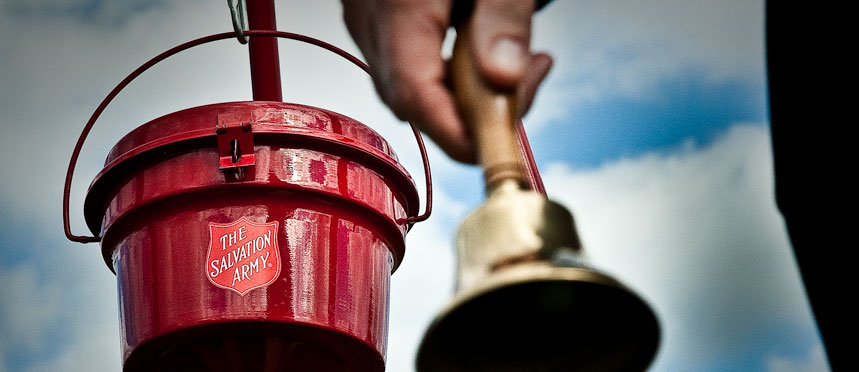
(490, 114)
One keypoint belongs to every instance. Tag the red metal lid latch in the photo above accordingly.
(235, 142)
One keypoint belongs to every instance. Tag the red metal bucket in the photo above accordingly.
(222, 265)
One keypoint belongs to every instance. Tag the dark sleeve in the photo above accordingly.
(811, 110)
(462, 8)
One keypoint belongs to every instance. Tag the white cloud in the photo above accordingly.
(813, 361)
(696, 232)
(103, 13)
(60, 308)
(29, 305)
(622, 48)
(93, 346)
(421, 286)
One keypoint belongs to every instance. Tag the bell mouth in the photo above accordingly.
(535, 317)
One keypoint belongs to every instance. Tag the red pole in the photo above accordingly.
(264, 61)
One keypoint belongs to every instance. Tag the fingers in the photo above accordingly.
(401, 41)
(409, 41)
(436, 115)
(501, 35)
(356, 15)
(539, 67)
(411, 77)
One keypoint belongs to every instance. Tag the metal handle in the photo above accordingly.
(190, 44)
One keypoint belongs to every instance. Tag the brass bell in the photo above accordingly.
(527, 302)
(525, 299)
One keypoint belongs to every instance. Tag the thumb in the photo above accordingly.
(500, 38)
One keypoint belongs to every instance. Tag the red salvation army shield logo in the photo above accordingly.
(243, 255)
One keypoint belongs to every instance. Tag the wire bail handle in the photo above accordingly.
(203, 40)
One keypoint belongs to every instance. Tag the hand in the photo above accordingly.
(402, 39)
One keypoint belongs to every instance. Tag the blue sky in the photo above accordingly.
(652, 129)
(624, 127)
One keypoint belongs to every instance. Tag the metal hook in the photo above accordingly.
(237, 13)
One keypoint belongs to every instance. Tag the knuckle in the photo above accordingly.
(406, 104)
(399, 99)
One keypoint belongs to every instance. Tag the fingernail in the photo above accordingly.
(508, 54)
